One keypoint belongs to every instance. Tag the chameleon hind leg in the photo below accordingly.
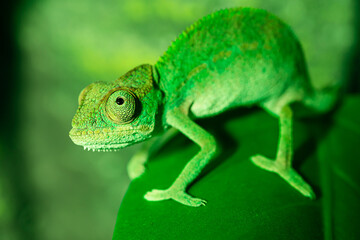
(282, 164)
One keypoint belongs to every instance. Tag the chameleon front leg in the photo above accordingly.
(282, 163)
(192, 169)
(136, 165)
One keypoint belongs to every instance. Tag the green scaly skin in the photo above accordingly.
(231, 58)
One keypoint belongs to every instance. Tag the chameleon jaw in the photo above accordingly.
(97, 142)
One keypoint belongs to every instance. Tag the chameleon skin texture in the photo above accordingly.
(233, 57)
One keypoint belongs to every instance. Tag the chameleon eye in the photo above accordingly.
(120, 106)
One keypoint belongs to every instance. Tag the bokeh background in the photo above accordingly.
(51, 49)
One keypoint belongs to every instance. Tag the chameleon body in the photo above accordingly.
(231, 58)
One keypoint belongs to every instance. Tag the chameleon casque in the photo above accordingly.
(231, 58)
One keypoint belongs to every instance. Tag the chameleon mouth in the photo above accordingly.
(95, 142)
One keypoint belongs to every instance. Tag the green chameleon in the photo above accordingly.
(231, 58)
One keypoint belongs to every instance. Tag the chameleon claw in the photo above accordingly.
(203, 203)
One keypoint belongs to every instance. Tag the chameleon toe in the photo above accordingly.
(179, 196)
(287, 173)
(157, 195)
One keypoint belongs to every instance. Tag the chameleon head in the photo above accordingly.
(114, 115)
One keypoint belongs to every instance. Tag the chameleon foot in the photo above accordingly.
(287, 173)
(135, 170)
(135, 167)
(179, 196)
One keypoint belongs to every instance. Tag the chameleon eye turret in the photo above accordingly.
(120, 105)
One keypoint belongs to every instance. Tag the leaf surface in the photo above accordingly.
(246, 202)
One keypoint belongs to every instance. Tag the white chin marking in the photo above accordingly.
(103, 148)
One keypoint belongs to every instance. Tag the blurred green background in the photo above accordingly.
(52, 49)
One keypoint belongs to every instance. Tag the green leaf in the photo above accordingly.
(246, 202)
(339, 156)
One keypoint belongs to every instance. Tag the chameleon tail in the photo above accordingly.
(322, 101)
